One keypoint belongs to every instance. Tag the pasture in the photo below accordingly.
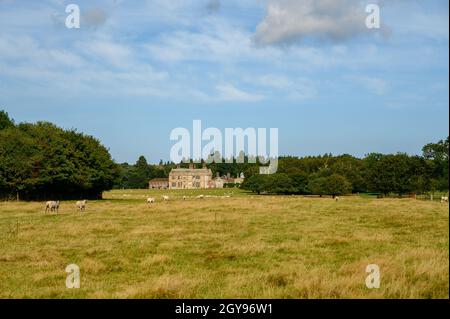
(243, 246)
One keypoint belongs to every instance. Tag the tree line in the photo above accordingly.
(42, 161)
(137, 175)
(383, 174)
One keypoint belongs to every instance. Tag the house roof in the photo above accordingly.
(188, 170)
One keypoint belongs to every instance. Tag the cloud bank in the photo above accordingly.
(290, 20)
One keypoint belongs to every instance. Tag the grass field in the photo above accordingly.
(244, 246)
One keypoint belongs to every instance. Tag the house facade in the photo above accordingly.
(158, 183)
(191, 178)
(220, 181)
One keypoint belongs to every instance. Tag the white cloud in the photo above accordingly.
(215, 41)
(275, 81)
(228, 92)
(288, 20)
(80, 69)
(375, 85)
(113, 53)
(172, 49)
(293, 88)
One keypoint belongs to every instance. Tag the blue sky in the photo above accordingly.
(135, 70)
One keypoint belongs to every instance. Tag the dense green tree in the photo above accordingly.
(40, 161)
(141, 173)
(255, 183)
(437, 158)
(316, 185)
(333, 184)
(5, 121)
(336, 185)
(394, 173)
(279, 183)
(299, 182)
(43, 161)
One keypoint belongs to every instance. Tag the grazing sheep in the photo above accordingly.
(52, 206)
(165, 197)
(336, 198)
(184, 197)
(200, 197)
(150, 200)
(81, 205)
(444, 199)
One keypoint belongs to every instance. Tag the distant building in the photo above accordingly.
(191, 178)
(240, 179)
(159, 183)
(221, 181)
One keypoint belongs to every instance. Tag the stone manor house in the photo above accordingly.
(193, 178)
(190, 178)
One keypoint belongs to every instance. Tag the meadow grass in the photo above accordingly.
(243, 246)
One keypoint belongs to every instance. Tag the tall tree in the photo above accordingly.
(41, 161)
(5, 121)
(437, 157)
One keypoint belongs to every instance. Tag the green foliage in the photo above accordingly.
(278, 184)
(138, 175)
(299, 182)
(316, 185)
(337, 184)
(436, 156)
(42, 161)
(5, 121)
(254, 183)
(398, 173)
(337, 175)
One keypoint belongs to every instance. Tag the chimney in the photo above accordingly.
(191, 166)
(228, 175)
(217, 174)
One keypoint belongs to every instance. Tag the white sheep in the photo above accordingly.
(81, 205)
(52, 206)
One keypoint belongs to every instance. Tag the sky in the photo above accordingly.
(136, 70)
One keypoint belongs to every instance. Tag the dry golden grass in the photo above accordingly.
(240, 247)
